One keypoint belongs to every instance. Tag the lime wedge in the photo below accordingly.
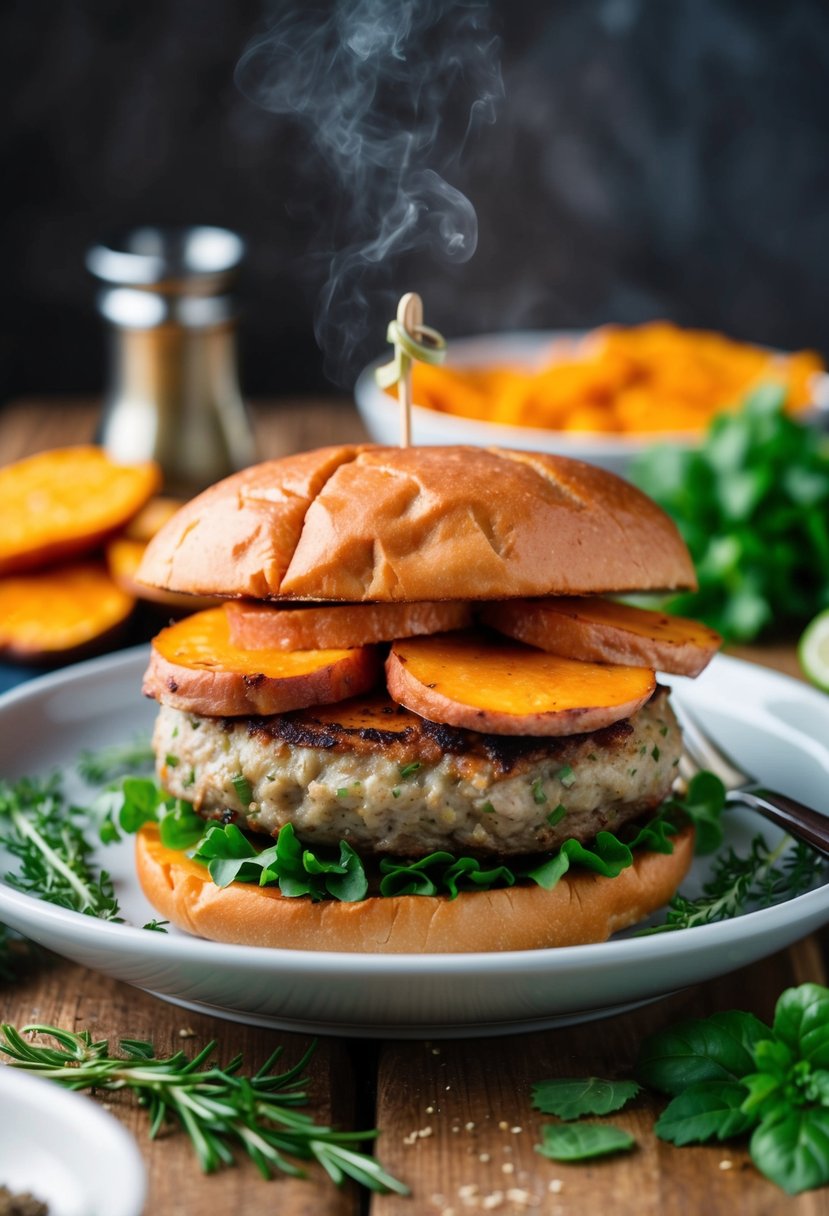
(813, 650)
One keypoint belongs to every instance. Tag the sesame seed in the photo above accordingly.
(469, 1126)
(507, 1168)
(490, 1202)
(726, 1165)
(484, 1157)
(516, 1130)
(556, 1186)
(503, 1125)
(430, 1110)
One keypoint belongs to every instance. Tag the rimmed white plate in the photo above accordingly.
(67, 1152)
(777, 727)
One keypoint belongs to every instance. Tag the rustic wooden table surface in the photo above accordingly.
(455, 1118)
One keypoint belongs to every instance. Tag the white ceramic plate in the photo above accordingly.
(776, 727)
(66, 1151)
(523, 349)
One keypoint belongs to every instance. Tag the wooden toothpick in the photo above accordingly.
(412, 340)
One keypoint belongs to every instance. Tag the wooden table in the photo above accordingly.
(455, 1117)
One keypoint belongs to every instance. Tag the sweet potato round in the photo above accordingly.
(602, 631)
(63, 503)
(258, 626)
(510, 689)
(56, 614)
(195, 667)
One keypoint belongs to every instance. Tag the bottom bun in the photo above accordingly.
(583, 907)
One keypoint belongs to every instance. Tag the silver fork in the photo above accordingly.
(700, 752)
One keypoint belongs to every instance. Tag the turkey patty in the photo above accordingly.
(387, 781)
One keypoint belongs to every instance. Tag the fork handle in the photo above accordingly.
(801, 821)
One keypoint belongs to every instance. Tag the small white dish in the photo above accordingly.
(66, 1151)
(379, 411)
(776, 727)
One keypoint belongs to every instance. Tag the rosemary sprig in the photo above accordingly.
(46, 835)
(219, 1108)
(106, 763)
(763, 876)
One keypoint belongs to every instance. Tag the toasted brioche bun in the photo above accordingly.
(581, 908)
(423, 523)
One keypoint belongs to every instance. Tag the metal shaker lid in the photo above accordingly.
(200, 260)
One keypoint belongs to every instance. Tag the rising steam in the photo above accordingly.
(388, 93)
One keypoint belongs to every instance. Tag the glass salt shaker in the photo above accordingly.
(173, 393)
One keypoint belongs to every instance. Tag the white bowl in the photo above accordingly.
(379, 411)
(68, 1152)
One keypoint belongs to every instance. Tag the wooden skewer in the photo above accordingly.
(410, 317)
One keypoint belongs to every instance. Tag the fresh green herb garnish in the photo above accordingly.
(488, 808)
(753, 506)
(220, 1109)
(555, 817)
(46, 835)
(171, 761)
(107, 763)
(570, 1097)
(762, 876)
(409, 770)
(242, 787)
(157, 926)
(582, 1141)
(538, 792)
(731, 1075)
(566, 776)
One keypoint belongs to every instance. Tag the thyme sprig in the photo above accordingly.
(46, 834)
(106, 763)
(759, 878)
(219, 1108)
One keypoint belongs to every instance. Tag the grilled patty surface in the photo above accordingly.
(369, 772)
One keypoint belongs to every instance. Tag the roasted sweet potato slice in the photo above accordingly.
(606, 632)
(53, 614)
(62, 503)
(257, 626)
(123, 557)
(466, 679)
(195, 667)
(152, 517)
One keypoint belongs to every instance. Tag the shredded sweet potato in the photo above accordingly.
(51, 614)
(653, 378)
(63, 503)
(464, 679)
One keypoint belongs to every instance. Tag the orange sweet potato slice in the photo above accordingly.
(123, 557)
(152, 517)
(257, 626)
(511, 689)
(63, 503)
(602, 631)
(55, 613)
(195, 667)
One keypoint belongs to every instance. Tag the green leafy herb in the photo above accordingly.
(704, 803)
(581, 1141)
(408, 770)
(555, 817)
(566, 776)
(107, 763)
(570, 1097)
(730, 1075)
(219, 1108)
(156, 926)
(762, 876)
(171, 761)
(242, 787)
(753, 505)
(538, 792)
(46, 835)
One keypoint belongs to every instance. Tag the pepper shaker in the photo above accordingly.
(173, 392)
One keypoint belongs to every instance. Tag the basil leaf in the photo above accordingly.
(718, 1048)
(570, 1097)
(764, 1093)
(703, 1111)
(801, 1021)
(793, 1149)
(581, 1141)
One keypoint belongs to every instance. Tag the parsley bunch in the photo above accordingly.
(752, 503)
(731, 1075)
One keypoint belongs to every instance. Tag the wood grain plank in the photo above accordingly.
(62, 994)
(459, 1127)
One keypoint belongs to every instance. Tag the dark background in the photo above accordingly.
(650, 158)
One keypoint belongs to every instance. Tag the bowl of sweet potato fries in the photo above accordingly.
(601, 396)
